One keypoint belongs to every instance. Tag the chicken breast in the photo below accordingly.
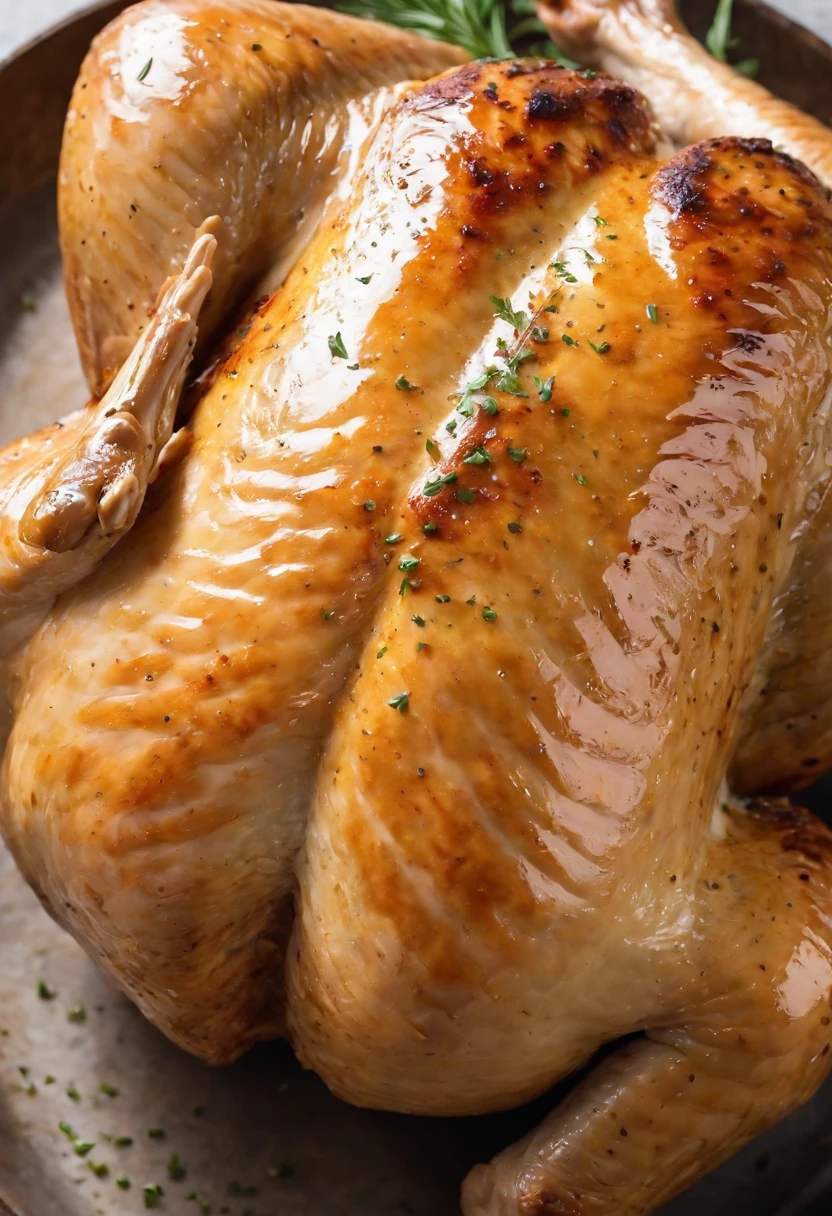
(786, 737)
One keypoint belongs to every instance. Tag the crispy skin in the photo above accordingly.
(243, 113)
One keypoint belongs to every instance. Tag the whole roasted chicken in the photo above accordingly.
(388, 703)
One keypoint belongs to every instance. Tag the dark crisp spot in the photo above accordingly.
(480, 172)
(749, 342)
(546, 106)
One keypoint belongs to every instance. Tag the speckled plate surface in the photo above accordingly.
(262, 1137)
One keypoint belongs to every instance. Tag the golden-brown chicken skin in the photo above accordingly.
(186, 109)
(400, 719)
(786, 736)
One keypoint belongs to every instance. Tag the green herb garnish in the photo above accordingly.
(143, 73)
(336, 346)
(404, 385)
(488, 614)
(400, 702)
(517, 320)
(653, 313)
(479, 456)
(719, 41)
(485, 28)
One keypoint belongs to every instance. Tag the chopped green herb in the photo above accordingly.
(109, 1090)
(515, 527)
(431, 488)
(653, 313)
(123, 1184)
(82, 1147)
(400, 702)
(568, 339)
(76, 1014)
(518, 454)
(465, 495)
(404, 385)
(353, 367)
(176, 1168)
(489, 406)
(488, 614)
(143, 73)
(544, 387)
(45, 992)
(199, 1109)
(382, 653)
(256, 46)
(443, 599)
(369, 505)
(451, 426)
(408, 563)
(72, 1093)
(480, 455)
(466, 406)
(418, 620)
(540, 334)
(404, 587)
(99, 1168)
(479, 382)
(565, 412)
(123, 1141)
(581, 480)
(28, 304)
(600, 223)
(430, 446)
(49, 1079)
(517, 320)
(152, 1195)
(395, 538)
(429, 527)
(472, 601)
(156, 1133)
(364, 278)
(561, 269)
(602, 347)
(336, 346)
(66, 1129)
(327, 613)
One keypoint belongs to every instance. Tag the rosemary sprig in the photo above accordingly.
(487, 29)
(719, 40)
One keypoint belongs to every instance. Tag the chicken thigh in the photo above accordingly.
(399, 721)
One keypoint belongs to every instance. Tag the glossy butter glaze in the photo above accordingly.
(786, 739)
(400, 723)
(186, 109)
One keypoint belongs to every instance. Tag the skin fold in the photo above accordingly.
(400, 721)
(786, 739)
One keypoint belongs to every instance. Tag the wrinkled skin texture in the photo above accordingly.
(786, 738)
(399, 722)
